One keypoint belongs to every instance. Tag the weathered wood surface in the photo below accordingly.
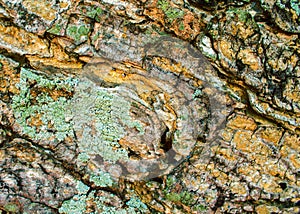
(149, 106)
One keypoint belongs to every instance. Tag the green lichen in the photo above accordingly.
(82, 188)
(10, 207)
(94, 13)
(181, 26)
(56, 29)
(50, 113)
(101, 116)
(101, 179)
(134, 206)
(243, 16)
(1, 66)
(170, 181)
(21, 13)
(295, 5)
(79, 203)
(112, 210)
(135, 202)
(76, 205)
(78, 33)
(171, 12)
(95, 37)
(197, 93)
(185, 197)
(163, 4)
(174, 197)
(83, 157)
(174, 13)
(280, 5)
(199, 208)
(284, 5)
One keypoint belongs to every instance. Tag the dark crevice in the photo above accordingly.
(158, 180)
(283, 185)
(133, 154)
(220, 201)
(166, 140)
(21, 59)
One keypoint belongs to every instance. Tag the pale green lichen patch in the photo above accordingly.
(135, 202)
(295, 5)
(60, 25)
(82, 188)
(197, 93)
(44, 112)
(134, 206)
(100, 202)
(40, 107)
(83, 157)
(101, 179)
(76, 205)
(100, 119)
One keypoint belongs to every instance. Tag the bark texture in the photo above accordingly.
(158, 106)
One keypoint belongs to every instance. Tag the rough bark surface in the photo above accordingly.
(159, 106)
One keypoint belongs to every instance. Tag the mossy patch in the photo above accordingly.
(183, 197)
(56, 29)
(94, 12)
(172, 13)
(243, 16)
(199, 208)
(11, 208)
(78, 33)
(181, 26)
(188, 198)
